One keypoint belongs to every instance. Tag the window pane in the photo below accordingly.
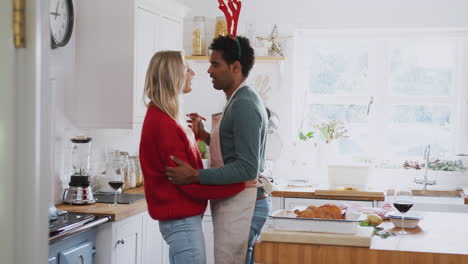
(356, 122)
(335, 68)
(421, 68)
(347, 113)
(357, 144)
(435, 115)
(413, 127)
(410, 141)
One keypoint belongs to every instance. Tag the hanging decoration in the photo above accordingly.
(273, 42)
(231, 10)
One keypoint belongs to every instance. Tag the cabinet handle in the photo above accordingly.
(120, 241)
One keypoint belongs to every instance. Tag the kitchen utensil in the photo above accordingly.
(79, 191)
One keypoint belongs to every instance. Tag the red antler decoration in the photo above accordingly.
(233, 17)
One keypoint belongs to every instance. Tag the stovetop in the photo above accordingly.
(68, 221)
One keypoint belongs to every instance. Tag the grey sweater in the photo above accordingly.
(243, 132)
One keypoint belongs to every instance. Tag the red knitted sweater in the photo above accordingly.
(162, 137)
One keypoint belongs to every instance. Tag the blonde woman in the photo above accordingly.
(178, 208)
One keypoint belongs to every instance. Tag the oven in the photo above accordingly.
(72, 238)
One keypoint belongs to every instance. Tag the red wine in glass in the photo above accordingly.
(403, 207)
(116, 184)
(403, 201)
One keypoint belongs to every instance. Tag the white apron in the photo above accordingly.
(232, 216)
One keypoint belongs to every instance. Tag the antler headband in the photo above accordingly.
(231, 12)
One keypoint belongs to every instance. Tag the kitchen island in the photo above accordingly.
(440, 238)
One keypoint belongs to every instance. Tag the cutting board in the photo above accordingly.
(362, 238)
(348, 193)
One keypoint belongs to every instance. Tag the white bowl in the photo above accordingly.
(409, 222)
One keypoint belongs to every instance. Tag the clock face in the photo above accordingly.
(61, 21)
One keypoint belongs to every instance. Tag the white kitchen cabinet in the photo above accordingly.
(115, 40)
(120, 242)
(134, 240)
(155, 249)
(277, 203)
(128, 243)
(291, 203)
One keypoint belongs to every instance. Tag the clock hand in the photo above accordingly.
(56, 10)
(55, 15)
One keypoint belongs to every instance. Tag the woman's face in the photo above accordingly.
(188, 80)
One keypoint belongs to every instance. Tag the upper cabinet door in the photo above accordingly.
(113, 50)
(170, 37)
(146, 30)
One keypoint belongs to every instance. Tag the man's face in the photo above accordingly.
(221, 73)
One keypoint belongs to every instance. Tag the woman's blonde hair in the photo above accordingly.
(164, 82)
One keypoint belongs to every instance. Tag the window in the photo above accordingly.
(396, 92)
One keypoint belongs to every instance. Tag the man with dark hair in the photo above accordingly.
(237, 152)
(235, 50)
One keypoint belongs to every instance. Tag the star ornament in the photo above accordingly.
(273, 41)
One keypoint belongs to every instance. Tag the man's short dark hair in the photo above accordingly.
(230, 52)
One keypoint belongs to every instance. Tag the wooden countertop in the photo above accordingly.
(465, 190)
(117, 213)
(319, 192)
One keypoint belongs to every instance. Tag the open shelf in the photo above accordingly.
(258, 58)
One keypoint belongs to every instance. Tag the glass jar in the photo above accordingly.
(138, 173)
(198, 36)
(125, 169)
(220, 27)
(116, 167)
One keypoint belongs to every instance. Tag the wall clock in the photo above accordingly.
(61, 17)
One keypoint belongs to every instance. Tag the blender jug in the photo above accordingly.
(81, 155)
(79, 191)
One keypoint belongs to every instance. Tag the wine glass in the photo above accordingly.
(402, 201)
(116, 178)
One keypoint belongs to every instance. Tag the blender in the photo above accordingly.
(79, 191)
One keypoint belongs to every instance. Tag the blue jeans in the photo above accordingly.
(262, 210)
(185, 240)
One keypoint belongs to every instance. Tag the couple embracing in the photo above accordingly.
(177, 187)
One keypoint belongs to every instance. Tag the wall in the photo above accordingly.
(263, 14)
(62, 83)
(309, 14)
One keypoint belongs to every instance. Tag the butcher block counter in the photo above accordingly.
(325, 192)
(440, 238)
(117, 213)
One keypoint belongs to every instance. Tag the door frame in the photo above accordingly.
(25, 136)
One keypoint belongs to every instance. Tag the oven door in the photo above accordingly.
(79, 254)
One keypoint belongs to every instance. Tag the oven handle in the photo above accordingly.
(85, 227)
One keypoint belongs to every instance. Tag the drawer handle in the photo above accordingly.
(120, 241)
